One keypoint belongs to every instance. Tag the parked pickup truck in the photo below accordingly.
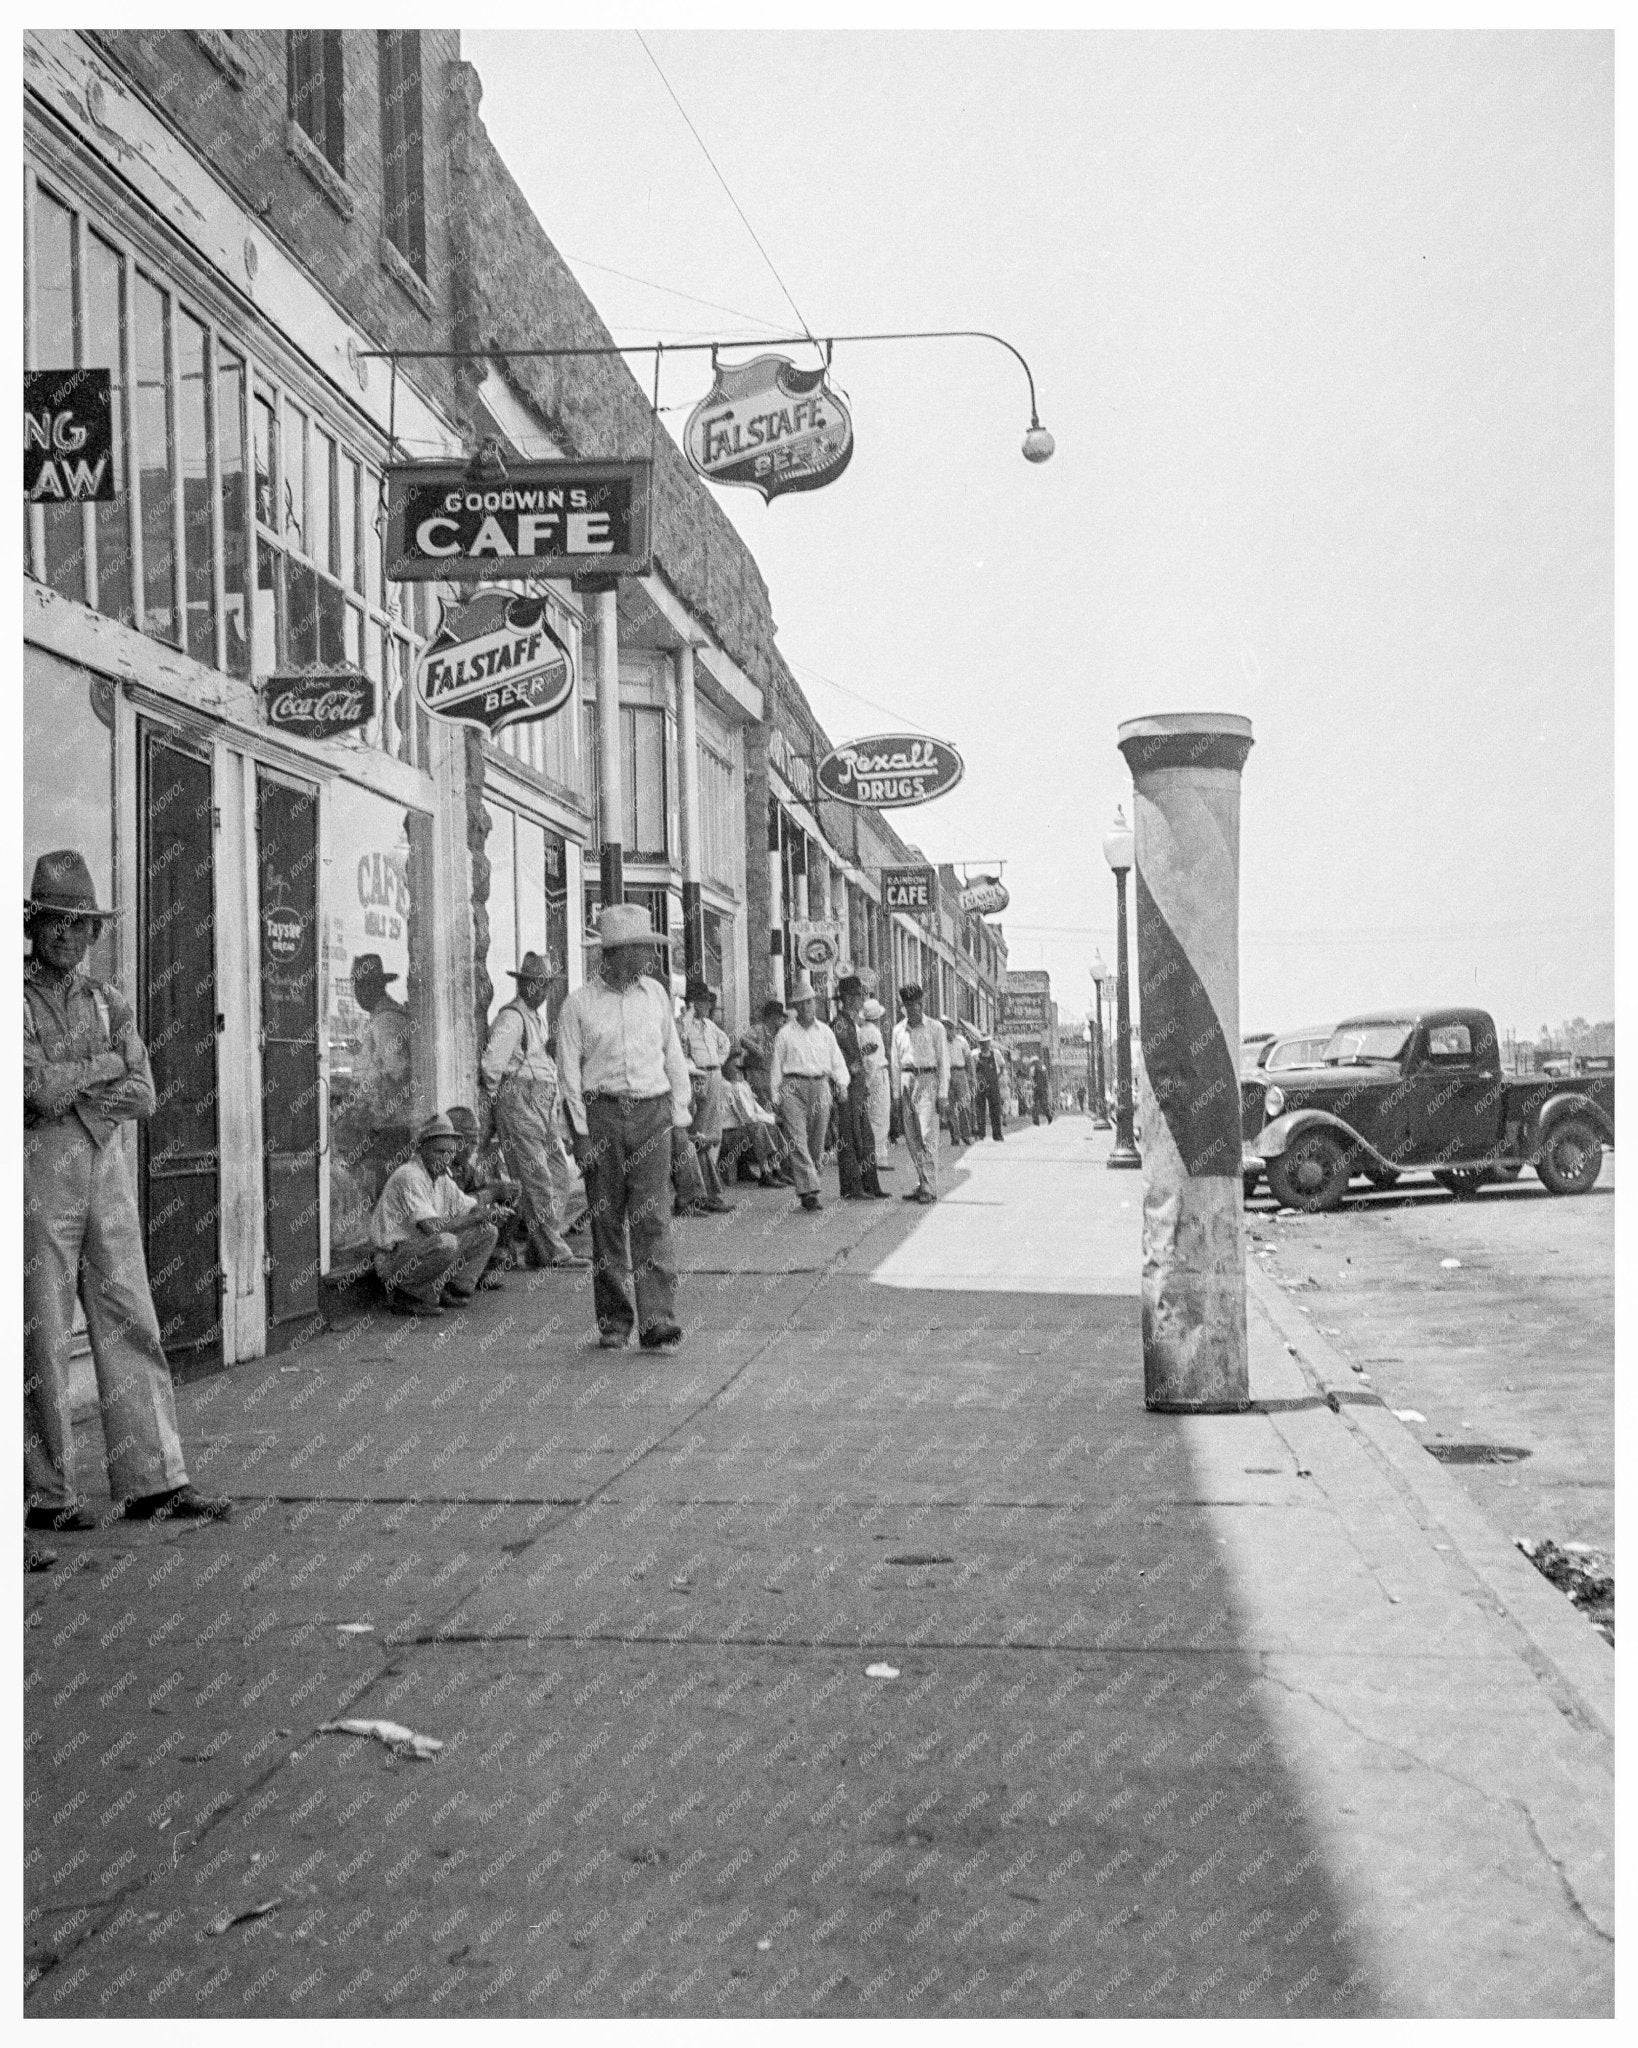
(1425, 1089)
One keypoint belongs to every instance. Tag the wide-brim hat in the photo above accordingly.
(533, 968)
(804, 991)
(368, 967)
(63, 884)
(699, 991)
(462, 1121)
(627, 924)
(436, 1127)
(872, 1011)
(868, 980)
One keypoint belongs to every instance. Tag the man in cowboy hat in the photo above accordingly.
(807, 1069)
(478, 1166)
(431, 1241)
(705, 1047)
(85, 1073)
(375, 1121)
(856, 1150)
(921, 1080)
(626, 1088)
(520, 1076)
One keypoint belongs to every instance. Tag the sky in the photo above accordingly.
(1322, 326)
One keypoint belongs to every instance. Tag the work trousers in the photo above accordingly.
(880, 1096)
(628, 1185)
(856, 1148)
(526, 1120)
(961, 1106)
(425, 1265)
(919, 1101)
(804, 1110)
(989, 1106)
(82, 1238)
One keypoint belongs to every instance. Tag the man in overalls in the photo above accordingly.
(521, 1075)
(86, 1072)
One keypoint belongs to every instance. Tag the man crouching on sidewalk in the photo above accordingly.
(432, 1241)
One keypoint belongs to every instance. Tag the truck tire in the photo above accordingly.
(1572, 1157)
(1464, 1186)
(1311, 1173)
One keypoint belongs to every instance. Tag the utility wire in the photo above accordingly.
(723, 182)
(585, 263)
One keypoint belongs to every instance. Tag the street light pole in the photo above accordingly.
(1117, 850)
(1100, 973)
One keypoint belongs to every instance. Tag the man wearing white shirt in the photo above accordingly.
(921, 1081)
(520, 1076)
(625, 1086)
(807, 1064)
(705, 1047)
(961, 1092)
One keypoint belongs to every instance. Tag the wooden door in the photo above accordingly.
(287, 839)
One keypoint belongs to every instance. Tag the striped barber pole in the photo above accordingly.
(1186, 779)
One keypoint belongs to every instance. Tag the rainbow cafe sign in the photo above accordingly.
(890, 772)
(771, 426)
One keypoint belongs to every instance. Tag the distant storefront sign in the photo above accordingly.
(987, 897)
(1024, 1011)
(910, 889)
(790, 764)
(540, 519)
(818, 943)
(68, 437)
(771, 426)
(319, 704)
(891, 771)
(495, 662)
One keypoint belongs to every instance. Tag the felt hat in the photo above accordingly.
(367, 967)
(627, 924)
(804, 991)
(534, 968)
(435, 1127)
(699, 990)
(63, 884)
(462, 1121)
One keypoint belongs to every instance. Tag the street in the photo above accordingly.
(1512, 1345)
(877, 1654)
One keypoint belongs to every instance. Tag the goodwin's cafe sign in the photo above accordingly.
(540, 519)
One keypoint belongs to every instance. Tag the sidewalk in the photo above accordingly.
(1191, 1715)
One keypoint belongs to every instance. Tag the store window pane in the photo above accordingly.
(643, 797)
(372, 511)
(332, 625)
(68, 776)
(321, 498)
(377, 998)
(504, 951)
(301, 595)
(347, 532)
(533, 936)
(54, 349)
(267, 608)
(104, 329)
(265, 426)
(293, 528)
(230, 441)
(557, 920)
(192, 425)
(153, 440)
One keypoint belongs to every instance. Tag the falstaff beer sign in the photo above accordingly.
(770, 425)
(540, 519)
(890, 772)
(988, 896)
(495, 662)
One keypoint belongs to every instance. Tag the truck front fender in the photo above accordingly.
(1276, 1137)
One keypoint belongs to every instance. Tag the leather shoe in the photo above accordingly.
(613, 1340)
(568, 1258)
(718, 1207)
(407, 1305)
(178, 1504)
(71, 1515)
(37, 1560)
(661, 1337)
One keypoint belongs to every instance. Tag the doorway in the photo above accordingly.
(287, 843)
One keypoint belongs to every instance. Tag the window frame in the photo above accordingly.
(324, 45)
(403, 145)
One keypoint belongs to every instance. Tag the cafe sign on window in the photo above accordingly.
(68, 437)
(445, 525)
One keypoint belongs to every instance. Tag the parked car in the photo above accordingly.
(1425, 1089)
(1279, 1053)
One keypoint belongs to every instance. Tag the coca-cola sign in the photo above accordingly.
(890, 772)
(770, 425)
(317, 704)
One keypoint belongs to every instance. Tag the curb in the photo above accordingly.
(1561, 1644)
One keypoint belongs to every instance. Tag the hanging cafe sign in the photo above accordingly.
(447, 525)
(890, 772)
(771, 426)
(495, 662)
(910, 889)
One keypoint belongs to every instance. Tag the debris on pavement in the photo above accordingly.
(1582, 1572)
(400, 1740)
(1410, 1415)
(881, 1671)
(228, 1918)
(355, 1628)
(1450, 1265)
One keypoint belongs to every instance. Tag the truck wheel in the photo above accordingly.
(1572, 1157)
(1311, 1173)
(1464, 1186)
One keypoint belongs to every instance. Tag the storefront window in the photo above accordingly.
(377, 998)
(55, 330)
(68, 777)
(528, 903)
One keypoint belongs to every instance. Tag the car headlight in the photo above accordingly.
(1274, 1102)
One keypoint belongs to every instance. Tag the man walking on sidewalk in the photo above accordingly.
(432, 1242)
(961, 1094)
(988, 1090)
(521, 1077)
(921, 1081)
(856, 1149)
(86, 1072)
(705, 1046)
(626, 1088)
(807, 1066)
